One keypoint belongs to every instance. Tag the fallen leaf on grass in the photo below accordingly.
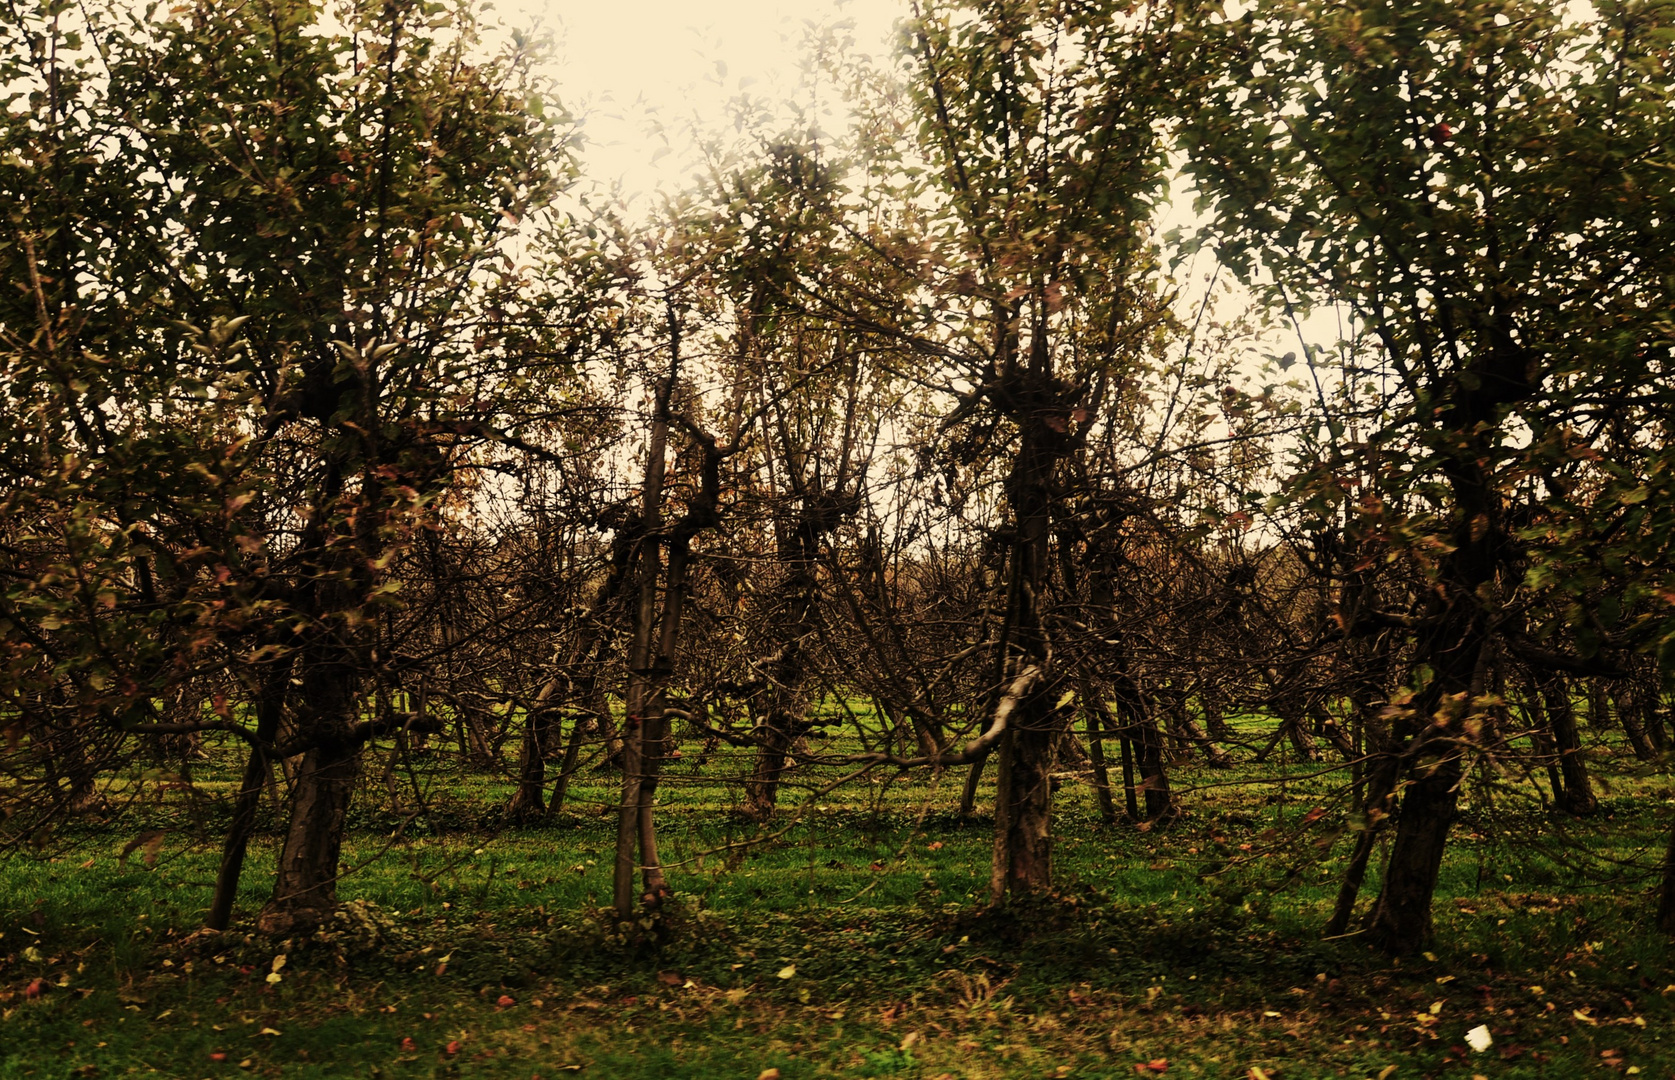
(149, 843)
(768, 1074)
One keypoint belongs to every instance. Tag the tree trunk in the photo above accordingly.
(1376, 813)
(1456, 648)
(1214, 756)
(1666, 895)
(1130, 804)
(1632, 700)
(640, 697)
(529, 801)
(1400, 922)
(973, 777)
(305, 888)
(1657, 728)
(572, 750)
(1022, 862)
(1094, 717)
(1023, 845)
(1577, 798)
(269, 705)
(1154, 775)
(761, 791)
(1301, 741)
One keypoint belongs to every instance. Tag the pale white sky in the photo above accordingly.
(629, 65)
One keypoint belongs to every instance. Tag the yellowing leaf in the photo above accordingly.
(787, 971)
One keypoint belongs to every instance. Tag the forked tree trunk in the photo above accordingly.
(1400, 922)
(1631, 702)
(645, 738)
(1577, 798)
(1140, 728)
(529, 800)
(1456, 647)
(1297, 728)
(270, 705)
(1432, 736)
(1214, 756)
(1022, 863)
(1375, 814)
(572, 752)
(305, 887)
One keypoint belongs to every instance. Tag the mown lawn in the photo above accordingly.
(853, 943)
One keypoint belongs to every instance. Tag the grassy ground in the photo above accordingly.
(853, 945)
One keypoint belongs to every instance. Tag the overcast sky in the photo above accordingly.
(627, 65)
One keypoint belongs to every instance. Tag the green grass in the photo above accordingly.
(874, 899)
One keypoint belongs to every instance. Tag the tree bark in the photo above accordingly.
(257, 768)
(1023, 846)
(1376, 813)
(1093, 718)
(1400, 922)
(1022, 862)
(1577, 798)
(529, 801)
(305, 888)
(1666, 895)
(1631, 703)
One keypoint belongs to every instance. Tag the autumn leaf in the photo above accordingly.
(151, 841)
